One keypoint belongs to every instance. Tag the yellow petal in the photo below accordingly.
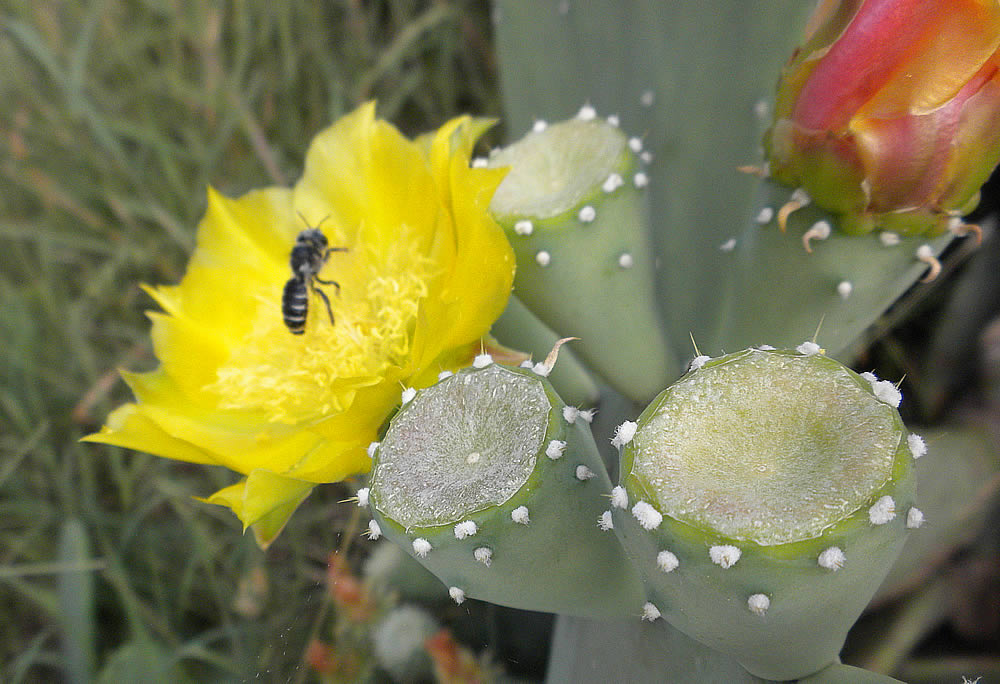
(423, 273)
(127, 427)
(264, 501)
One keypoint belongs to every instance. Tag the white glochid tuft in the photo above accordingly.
(626, 260)
(540, 369)
(640, 180)
(650, 612)
(624, 433)
(587, 214)
(466, 528)
(697, 362)
(372, 448)
(728, 246)
(457, 595)
(570, 414)
(882, 511)
(648, 517)
(484, 555)
(543, 258)
(764, 216)
(887, 393)
(613, 120)
(586, 113)
(758, 604)
(445, 374)
(918, 447)
(832, 558)
(808, 349)
(845, 288)
(619, 497)
(888, 238)
(667, 561)
(524, 227)
(408, 395)
(635, 144)
(725, 555)
(520, 515)
(583, 473)
(539, 125)
(555, 449)
(612, 182)
(482, 361)
(374, 531)
(914, 518)
(363, 496)
(606, 522)
(421, 547)
(800, 196)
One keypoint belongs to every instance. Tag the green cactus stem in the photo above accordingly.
(574, 208)
(496, 487)
(765, 496)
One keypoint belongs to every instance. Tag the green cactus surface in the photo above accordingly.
(696, 82)
(519, 327)
(765, 496)
(574, 208)
(496, 487)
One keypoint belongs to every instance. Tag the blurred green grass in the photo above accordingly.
(114, 117)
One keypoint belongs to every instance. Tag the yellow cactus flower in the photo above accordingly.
(425, 274)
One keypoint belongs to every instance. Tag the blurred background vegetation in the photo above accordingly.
(114, 117)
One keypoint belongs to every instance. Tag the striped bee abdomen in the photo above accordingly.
(295, 305)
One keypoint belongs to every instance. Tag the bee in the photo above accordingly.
(309, 253)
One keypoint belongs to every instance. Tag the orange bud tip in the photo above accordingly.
(926, 255)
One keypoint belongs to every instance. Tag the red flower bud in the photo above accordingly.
(889, 112)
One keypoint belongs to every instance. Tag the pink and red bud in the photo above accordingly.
(888, 114)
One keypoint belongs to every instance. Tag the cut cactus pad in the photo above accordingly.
(766, 447)
(774, 479)
(576, 214)
(484, 480)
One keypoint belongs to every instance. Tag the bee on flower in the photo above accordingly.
(424, 274)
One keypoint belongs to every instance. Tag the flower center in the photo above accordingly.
(300, 378)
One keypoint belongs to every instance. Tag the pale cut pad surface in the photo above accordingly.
(726, 450)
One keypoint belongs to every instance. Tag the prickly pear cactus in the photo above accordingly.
(495, 485)
(694, 82)
(764, 498)
(574, 208)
